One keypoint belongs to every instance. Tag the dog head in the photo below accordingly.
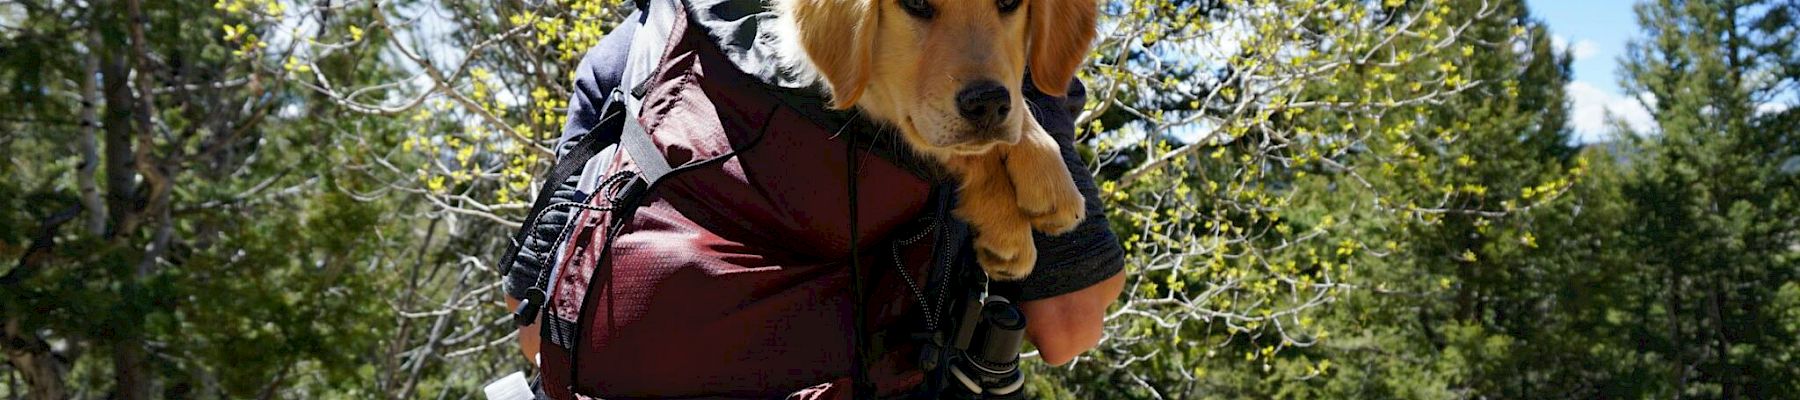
(947, 72)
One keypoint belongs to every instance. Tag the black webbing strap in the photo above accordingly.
(861, 387)
(590, 144)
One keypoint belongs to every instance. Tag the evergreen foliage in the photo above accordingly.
(1320, 199)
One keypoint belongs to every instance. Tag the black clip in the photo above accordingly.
(529, 307)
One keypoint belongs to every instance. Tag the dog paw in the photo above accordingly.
(1044, 189)
(1053, 206)
(1006, 256)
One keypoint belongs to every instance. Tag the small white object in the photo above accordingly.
(511, 387)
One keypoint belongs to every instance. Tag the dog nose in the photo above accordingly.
(984, 103)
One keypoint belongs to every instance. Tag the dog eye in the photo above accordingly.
(1007, 6)
(919, 8)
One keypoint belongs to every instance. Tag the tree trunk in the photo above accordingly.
(1672, 301)
(1727, 372)
(130, 368)
(32, 357)
(121, 175)
(127, 145)
(154, 173)
(90, 146)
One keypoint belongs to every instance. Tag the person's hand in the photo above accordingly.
(1063, 327)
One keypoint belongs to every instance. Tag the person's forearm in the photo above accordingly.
(528, 335)
(1065, 326)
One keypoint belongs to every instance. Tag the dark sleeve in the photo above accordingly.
(598, 74)
(1091, 252)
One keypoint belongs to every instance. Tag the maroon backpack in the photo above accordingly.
(714, 259)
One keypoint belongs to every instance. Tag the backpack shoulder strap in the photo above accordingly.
(618, 125)
(591, 143)
(647, 50)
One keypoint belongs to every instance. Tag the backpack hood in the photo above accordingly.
(745, 32)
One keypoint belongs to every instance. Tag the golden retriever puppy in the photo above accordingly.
(947, 74)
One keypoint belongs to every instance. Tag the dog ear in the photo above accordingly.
(1062, 31)
(838, 36)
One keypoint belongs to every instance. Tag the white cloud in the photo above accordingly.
(1582, 49)
(1593, 108)
(1771, 108)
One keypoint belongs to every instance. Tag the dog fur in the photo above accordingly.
(907, 70)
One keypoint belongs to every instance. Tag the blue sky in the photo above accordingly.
(1596, 31)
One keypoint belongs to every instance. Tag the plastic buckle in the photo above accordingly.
(529, 307)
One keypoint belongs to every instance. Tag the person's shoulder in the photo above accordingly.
(603, 65)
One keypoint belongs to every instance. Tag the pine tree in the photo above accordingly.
(172, 217)
(1714, 211)
(1459, 304)
(1419, 166)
